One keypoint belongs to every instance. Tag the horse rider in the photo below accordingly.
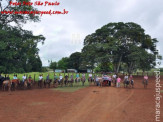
(83, 76)
(77, 76)
(55, 78)
(126, 80)
(60, 78)
(24, 78)
(15, 77)
(40, 78)
(47, 78)
(66, 80)
(90, 76)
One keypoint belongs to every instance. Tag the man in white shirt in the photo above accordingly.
(24, 78)
(126, 81)
(60, 77)
(40, 77)
(40, 81)
(90, 75)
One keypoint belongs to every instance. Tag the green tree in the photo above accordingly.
(63, 63)
(18, 50)
(53, 65)
(18, 47)
(119, 43)
(16, 18)
(75, 60)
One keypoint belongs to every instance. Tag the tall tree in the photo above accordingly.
(18, 47)
(119, 43)
(53, 65)
(18, 50)
(63, 63)
(75, 60)
(16, 18)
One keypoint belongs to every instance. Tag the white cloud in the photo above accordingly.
(86, 16)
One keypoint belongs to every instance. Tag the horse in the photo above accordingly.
(40, 83)
(29, 83)
(90, 80)
(55, 83)
(47, 82)
(77, 80)
(6, 85)
(71, 81)
(60, 82)
(66, 81)
(15, 84)
(83, 80)
(126, 83)
(1, 80)
(132, 83)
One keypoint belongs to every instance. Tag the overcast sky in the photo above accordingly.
(65, 33)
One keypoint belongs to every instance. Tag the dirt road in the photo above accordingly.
(92, 104)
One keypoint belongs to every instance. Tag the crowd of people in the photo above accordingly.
(102, 80)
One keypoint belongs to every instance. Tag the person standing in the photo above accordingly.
(115, 79)
(132, 81)
(109, 79)
(118, 81)
(145, 81)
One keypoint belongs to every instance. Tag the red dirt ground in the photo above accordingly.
(91, 104)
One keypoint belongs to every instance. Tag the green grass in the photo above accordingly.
(68, 89)
(161, 91)
(37, 103)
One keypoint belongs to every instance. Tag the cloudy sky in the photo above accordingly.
(65, 33)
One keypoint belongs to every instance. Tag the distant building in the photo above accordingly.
(59, 70)
(89, 71)
(72, 70)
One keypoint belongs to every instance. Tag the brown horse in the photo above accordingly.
(30, 83)
(55, 83)
(83, 80)
(71, 81)
(15, 83)
(47, 82)
(77, 80)
(40, 83)
(6, 85)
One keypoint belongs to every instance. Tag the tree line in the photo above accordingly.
(114, 47)
(18, 47)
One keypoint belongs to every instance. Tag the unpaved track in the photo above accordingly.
(92, 104)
